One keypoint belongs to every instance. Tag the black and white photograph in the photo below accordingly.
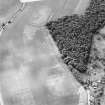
(52, 52)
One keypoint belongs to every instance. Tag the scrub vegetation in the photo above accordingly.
(81, 44)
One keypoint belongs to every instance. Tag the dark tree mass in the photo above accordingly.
(73, 34)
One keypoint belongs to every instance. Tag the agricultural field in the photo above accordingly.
(34, 69)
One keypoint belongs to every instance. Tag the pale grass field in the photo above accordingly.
(32, 72)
